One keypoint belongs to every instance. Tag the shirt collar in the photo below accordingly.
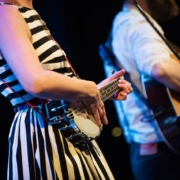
(130, 7)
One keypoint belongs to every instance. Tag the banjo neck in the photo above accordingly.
(77, 124)
(109, 89)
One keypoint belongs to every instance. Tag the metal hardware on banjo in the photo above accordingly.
(75, 123)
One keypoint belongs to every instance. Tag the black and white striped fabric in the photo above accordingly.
(38, 150)
(49, 53)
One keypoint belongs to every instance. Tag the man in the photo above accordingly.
(140, 50)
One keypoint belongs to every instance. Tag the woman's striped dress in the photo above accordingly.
(38, 150)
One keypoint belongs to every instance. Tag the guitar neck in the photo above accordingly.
(108, 90)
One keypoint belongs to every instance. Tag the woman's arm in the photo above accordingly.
(16, 46)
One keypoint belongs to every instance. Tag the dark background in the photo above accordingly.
(79, 27)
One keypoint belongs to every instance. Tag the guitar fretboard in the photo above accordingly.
(108, 90)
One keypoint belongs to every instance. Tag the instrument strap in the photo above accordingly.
(108, 56)
(169, 45)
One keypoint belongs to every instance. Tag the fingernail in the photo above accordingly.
(101, 128)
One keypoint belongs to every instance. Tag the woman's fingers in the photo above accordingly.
(118, 74)
(96, 116)
(97, 110)
(102, 113)
(125, 86)
(99, 113)
(121, 96)
(124, 89)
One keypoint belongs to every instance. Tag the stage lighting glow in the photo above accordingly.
(116, 132)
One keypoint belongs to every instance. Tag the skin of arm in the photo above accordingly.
(164, 71)
(167, 72)
(15, 37)
(25, 64)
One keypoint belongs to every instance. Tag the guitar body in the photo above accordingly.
(168, 107)
(167, 101)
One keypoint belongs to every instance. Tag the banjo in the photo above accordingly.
(76, 124)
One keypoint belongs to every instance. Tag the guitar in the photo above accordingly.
(169, 103)
(76, 124)
(166, 111)
(166, 102)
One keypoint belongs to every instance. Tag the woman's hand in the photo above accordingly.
(97, 110)
(124, 86)
(125, 89)
(94, 105)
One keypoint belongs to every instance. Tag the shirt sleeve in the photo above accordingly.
(146, 46)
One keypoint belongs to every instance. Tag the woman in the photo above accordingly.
(34, 70)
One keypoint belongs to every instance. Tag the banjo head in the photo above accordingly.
(87, 125)
(75, 123)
